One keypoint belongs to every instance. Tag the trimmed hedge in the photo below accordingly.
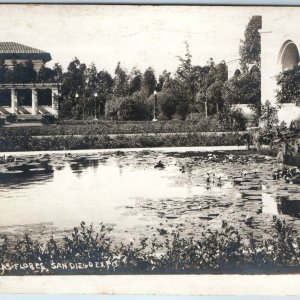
(117, 127)
(11, 142)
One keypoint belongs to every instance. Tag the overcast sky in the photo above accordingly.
(139, 36)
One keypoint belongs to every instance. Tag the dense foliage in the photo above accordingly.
(202, 90)
(245, 86)
(26, 142)
(269, 116)
(92, 251)
(87, 93)
(194, 123)
(289, 86)
(250, 48)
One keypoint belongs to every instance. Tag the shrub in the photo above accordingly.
(195, 117)
(2, 122)
(48, 119)
(243, 89)
(221, 251)
(182, 110)
(288, 82)
(232, 119)
(167, 104)
(11, 118)
(133, 109)
(269, 115)
(11, 142)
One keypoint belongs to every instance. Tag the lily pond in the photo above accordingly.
(144, 193)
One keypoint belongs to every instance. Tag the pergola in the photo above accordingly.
(35, 108)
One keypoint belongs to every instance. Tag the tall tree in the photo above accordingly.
(250, 48)
(164, 81)
(73, 84)
(245, 86)
(120, 88)
(57, 73)
(186, 79)
(204, 83)
(211, 81)
(90, 99)
(105, 84)
(149, 82)
(135, 81)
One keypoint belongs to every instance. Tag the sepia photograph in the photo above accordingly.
(149, 140)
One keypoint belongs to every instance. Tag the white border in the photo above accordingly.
(204, 285)
(183, 285)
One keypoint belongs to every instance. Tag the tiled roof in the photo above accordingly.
(11, 47)
(16, 50)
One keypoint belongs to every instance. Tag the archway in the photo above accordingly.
(288, 55)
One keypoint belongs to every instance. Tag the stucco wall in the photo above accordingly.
(289, 112)
(278, 28)
(37, 64)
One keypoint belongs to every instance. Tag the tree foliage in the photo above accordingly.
(135, 81)
(121, 86)
(186, 79)
(269, 115)
(289, 86)
(193, 89)
(134, 108)
(250, 48)
(243, 89)
(149, 82)
(245, 86)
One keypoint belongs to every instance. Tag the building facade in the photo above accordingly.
(280, 42)
(15, 104)
(10, 52)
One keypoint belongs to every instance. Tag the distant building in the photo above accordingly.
(280, 40)
(10, 51)
(27, 100)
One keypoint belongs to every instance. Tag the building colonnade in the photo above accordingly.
(34, 110)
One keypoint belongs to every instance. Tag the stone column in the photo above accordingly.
(14, 101)
(34, 102)
(54, 93)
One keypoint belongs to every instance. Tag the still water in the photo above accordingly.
(126, 190)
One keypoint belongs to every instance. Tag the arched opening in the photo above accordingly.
(288, 56)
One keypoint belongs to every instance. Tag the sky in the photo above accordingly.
(140, 36)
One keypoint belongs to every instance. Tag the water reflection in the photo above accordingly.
(25, 172)
(280, 205)
(288, 207)
(269, 204)
(21, 180)
(101, 187)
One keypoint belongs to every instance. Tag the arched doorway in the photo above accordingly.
(288, 55)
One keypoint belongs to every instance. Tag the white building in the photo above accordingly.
(36, 107)
(280, 41)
